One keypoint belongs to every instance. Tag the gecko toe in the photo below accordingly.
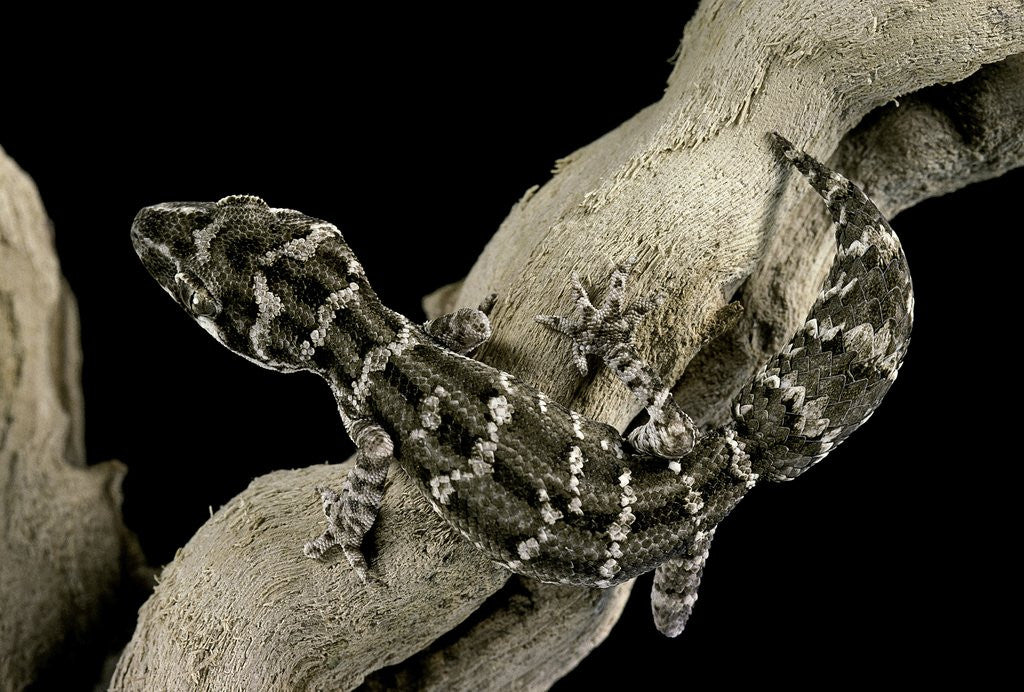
(603, 330)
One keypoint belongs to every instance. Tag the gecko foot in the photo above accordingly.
(352, 512)
(605, 330)
(339, 535)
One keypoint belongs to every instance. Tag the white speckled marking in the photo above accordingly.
(529, 548)
(202, 238)
(548, 513)
(179, 208)
(268, 306)
(542, 402)
(481, 459)
(376, 360)
(161, 248)
(739, 461)
(576, 460)
(619, 529)
(301, 249)
(429, 415)
(811, 421)
(326, 313)
(500, 410)
(839, 288)
(441, 488)
(694, 500)
(577, 422)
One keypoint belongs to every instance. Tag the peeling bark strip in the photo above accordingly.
(60, 562)
(689, 185)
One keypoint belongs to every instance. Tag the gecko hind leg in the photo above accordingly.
(675, 586)
(465, 329)
(352, 512)
(606, 330)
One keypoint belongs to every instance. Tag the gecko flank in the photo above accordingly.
(542, 490)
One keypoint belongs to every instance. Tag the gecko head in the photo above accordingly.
(249, 274)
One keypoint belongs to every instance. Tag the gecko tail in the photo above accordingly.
(832, 376)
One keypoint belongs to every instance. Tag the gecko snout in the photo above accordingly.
(162, 235)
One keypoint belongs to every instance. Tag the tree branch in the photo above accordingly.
(65, 554)
(690, 187)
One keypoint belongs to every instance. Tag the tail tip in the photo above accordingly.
(782, 145)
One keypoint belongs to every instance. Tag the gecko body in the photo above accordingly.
(541, 489)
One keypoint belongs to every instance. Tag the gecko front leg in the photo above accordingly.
(607, 331)
(352, 512)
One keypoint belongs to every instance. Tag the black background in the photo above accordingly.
(416, 135)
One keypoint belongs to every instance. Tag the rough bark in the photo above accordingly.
(65, 555)
(690, 187)
(269, 618)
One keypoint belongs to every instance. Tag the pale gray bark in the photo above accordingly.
(65, 555)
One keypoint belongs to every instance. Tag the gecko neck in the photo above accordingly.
(366, 337)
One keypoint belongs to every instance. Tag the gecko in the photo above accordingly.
(544, 491)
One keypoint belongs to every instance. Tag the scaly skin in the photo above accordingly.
(542, 490)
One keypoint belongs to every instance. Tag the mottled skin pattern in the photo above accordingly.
(542, 490)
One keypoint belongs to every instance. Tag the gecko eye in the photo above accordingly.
(195, 298)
